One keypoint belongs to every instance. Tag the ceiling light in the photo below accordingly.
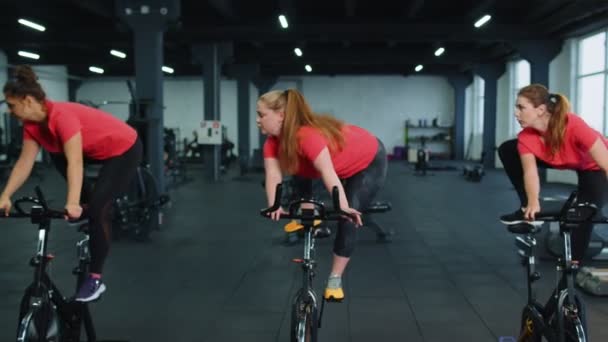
(418, 67)
(96, 70)
(483, 20)
(118, 54)
(298, 52)
(31, 24)
(439, 51)
(28, 54)
(167, 69)
(308, 68)
(283, 21)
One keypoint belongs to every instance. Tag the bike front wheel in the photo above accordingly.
(574, 325)
(40, 325)
(304, 321)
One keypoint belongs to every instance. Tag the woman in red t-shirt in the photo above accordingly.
(71, 132)
(555, 138)
(310, 146)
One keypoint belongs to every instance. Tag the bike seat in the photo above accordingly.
(523, 228)
(294, 226)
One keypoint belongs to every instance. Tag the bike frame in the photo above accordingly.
(565, 296)
(72, 315)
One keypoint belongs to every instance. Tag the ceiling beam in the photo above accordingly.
(350, 6)
(573, 12)
(225, 8)
(413, 8)
(93, 6)
(377, 56)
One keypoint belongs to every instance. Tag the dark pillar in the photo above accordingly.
(539, 53)
(73, 85)
(211, 57)
(244, 74)
(148, 21)
(490, 74)
(460, 82)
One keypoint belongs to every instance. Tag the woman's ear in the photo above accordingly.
(542, 109)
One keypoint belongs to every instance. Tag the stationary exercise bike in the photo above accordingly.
(563, 318)
(45, 315)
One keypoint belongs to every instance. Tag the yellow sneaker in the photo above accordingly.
(333, 291)
(294, 225)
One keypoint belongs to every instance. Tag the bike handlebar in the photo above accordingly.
(573, 213)
(323, 214)
(38, 211)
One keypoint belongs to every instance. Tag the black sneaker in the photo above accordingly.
(517, 217)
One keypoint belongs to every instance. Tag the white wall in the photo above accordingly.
(54, 81)
(381, 104)
(378, 103)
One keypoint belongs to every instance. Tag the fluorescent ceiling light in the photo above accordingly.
(483, 20)
(31, 24)
(28, 54)
(96, 70)
(298, 52)
(308, 68)
(283, 21)
(439, 51)
(167, 69)
(118, 54)
(418, 67)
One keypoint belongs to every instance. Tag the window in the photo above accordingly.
(520, 77)
(591, 78)
(479, 86)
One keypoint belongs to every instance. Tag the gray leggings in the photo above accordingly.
(360, 189)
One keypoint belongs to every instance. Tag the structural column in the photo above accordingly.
(490, 74)
(148, 20)
(459, 82)
(211, 57)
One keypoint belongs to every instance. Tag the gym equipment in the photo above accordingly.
(137, 212)
(473, 173)
(45, 314)
(305, 313)
(567, 322)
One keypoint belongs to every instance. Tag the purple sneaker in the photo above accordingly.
(90, 290)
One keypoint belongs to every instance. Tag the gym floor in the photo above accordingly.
(217, 271)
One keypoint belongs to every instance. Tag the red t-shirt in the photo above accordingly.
(103, 135)
(359, 150)
(574, 154)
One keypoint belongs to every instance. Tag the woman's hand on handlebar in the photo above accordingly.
(73, 211)
(354, 216)
(276, 215)
(5, 205)
(531, 210)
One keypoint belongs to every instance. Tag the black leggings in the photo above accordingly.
(114, 178)
(592, 187)
(360, 189)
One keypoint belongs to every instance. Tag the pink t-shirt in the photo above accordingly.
(359, 150)
(574, 154)
(103, 135)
